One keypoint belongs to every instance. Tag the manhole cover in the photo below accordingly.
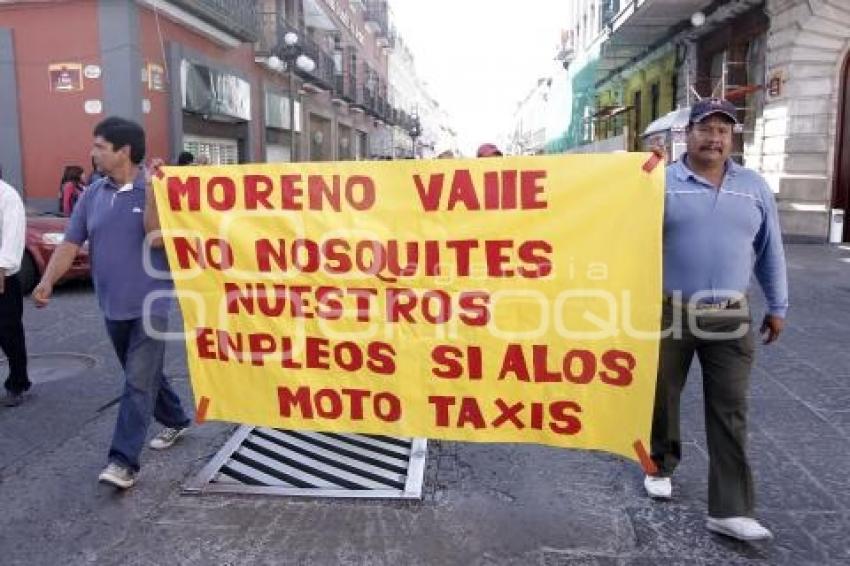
(43, 368)
(285, 462)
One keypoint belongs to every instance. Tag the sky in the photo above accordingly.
(481, 57)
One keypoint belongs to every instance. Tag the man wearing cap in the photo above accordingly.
(720, 225)
(488, 150)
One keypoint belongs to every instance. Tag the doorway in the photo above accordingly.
(841, 176)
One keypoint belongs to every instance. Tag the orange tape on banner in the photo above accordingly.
(651, 163)
(201, 413)
(645, 461)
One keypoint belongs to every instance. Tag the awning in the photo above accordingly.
(610, 111)
(643, 25)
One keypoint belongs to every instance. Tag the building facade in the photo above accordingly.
(805, 124)
(215, 77)
(405, 95)
(528, 131)
(342, 103)
(423, 128)
(783, 63)
(572, 96)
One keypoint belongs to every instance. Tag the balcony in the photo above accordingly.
(392, 36)
(324, 74)
(404, 120)
(377, 17)
(383, 109)
(567, 49)
(270, 42)
(236, 17)
(270, 31)
(635, 27)
(391, 115)
(370, 101)
(610, 9)
(358, 103)
(344, 87)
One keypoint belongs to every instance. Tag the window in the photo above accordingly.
(674, 87)
(362, 145)
(219, 151)
(655, 98)
(717, 73)
(339, 55)
(636, 102)
(584, 33)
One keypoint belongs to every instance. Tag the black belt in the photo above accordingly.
(716, 306)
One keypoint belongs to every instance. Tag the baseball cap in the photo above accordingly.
(709, 106)
(488, 150)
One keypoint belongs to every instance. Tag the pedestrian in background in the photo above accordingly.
(95, 175)
(488, 150)
(12, 339)
(185, 158)
(116, 216)
(720, 225)
(71, 188)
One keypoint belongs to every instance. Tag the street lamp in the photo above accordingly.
(415, 130)
(292, 54)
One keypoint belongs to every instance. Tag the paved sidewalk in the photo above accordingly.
(484, 504)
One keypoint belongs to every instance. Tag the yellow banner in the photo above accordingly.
(492, 300)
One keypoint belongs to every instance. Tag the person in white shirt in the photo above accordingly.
(12, 234)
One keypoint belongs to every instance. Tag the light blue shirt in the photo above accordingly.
(715, 239)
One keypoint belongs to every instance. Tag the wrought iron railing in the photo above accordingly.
(344, 87)
(237, 17)
(269, 32)
(377, 12)
(324, 72)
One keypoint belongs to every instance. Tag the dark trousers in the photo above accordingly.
(12, 340)
(726, 364)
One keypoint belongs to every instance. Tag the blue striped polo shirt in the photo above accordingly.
(111, 218)
(715, 239)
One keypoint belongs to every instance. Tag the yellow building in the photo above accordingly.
(628, 101)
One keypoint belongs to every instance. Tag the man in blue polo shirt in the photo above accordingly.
(131, 281)
(720, 225)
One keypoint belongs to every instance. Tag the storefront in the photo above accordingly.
(215, 112)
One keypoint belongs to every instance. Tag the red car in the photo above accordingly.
(44, 233)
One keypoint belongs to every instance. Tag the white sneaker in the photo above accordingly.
(741, 528)
(117, 476)
(658, 487)
(166, 438)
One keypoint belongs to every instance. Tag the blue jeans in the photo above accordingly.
(146, 390)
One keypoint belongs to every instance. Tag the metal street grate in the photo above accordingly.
(272, 461)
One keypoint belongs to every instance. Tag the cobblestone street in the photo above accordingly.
(483, 504)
